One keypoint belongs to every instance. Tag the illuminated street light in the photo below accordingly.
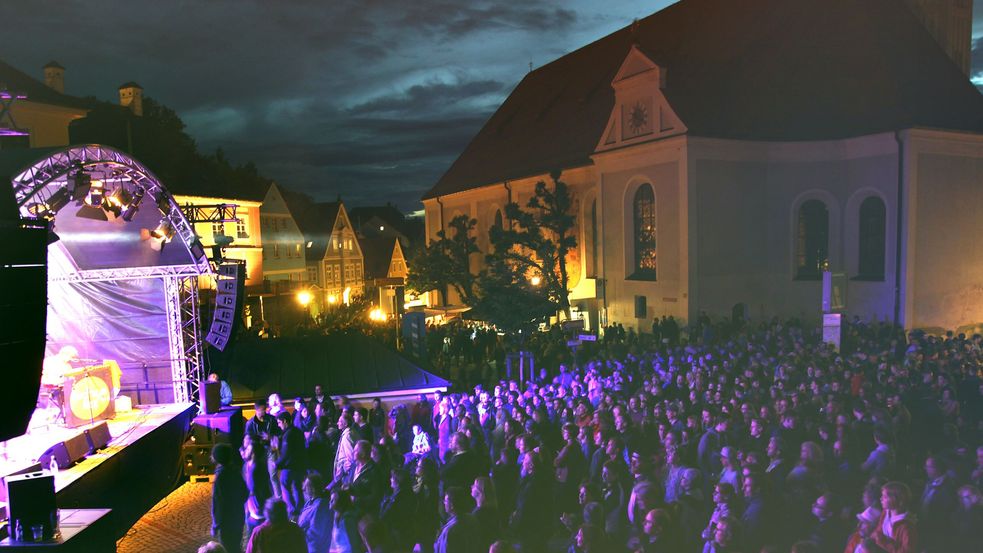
(535, 280)
(377, 315)
(304, 298)
(332, 299)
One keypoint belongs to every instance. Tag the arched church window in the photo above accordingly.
(872, 232)
(812, 240)
(592, 241)
(646, 251)
(498, 223)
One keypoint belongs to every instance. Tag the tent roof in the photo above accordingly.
(343, 363)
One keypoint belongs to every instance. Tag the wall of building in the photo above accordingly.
(945, 252)
(744, 220)
(622, 173)
(283, 242)
(247, 237)
(47, 124)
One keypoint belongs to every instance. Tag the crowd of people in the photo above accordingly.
(727, 438)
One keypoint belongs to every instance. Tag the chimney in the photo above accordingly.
(131, 96)
(54, 76)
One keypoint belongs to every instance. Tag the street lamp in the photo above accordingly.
(304, 298)
(535, 280)
(332, 299)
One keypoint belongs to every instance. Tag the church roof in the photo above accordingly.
(769, 70)
(15, 80)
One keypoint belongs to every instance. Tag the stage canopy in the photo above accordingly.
(123, 264)
(349, 364)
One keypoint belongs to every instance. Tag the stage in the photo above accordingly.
(140, 466)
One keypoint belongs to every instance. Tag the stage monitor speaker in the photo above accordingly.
(197, 460)
(227, 426)
(23, 276)
(98, 437)
(228, 303)
(641, 307)
(32, 500)
(66, 453)
(211, 396)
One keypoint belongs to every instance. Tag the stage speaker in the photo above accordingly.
(23, 277)
(98, 437)
(228, 303)
(197, 460)
(66, 453)
(210, 395)
(32, 500)
(641, 307)
(227, 426)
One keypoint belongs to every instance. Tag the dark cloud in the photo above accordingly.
(454, 20)
(372, 99)
(434, 96)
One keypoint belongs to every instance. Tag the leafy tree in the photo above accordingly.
(446, 262)
(534, 245)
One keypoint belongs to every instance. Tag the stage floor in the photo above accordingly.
(125, 428)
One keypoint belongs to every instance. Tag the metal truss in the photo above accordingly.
(129, 273)
(191, 334)
(181, 295)
(33, 185)
(219, 213)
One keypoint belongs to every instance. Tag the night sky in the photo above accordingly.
(370, 99)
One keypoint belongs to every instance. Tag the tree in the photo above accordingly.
(446, 262)
(534, 245)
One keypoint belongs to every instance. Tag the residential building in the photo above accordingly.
(385, 271)
(722, 154)
(335, 265)
(46, 110)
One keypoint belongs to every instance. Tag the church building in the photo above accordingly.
(724, 154)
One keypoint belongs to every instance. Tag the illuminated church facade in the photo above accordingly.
(722, 154)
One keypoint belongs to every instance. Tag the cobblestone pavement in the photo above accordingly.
(180, 523)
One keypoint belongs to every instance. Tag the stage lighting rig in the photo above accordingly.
(79, 183)
(130, 210)
(116, 202)
(97, 194)
(160, 236)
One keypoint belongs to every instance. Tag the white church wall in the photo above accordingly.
(745, 204)
(622, 173)
(945, 253)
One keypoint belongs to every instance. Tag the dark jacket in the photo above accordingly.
(461, 470)
(293, 450)
(229, 495)
(366, 489)
(398, 513)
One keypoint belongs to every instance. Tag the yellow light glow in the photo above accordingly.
(346, 296)
(377, 315)
(535, 280)
(332, 299)
(304, 298)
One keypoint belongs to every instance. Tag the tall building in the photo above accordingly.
(722, 154)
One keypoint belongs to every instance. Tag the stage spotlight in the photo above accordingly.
(91, 212)
(159, 236)
(40, 210)
(97, 194)
(130, 210)
(79, 184)
(163, 204)
(116, 202)
(58, 200)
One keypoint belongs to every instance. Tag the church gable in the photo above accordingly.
(641, 112)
